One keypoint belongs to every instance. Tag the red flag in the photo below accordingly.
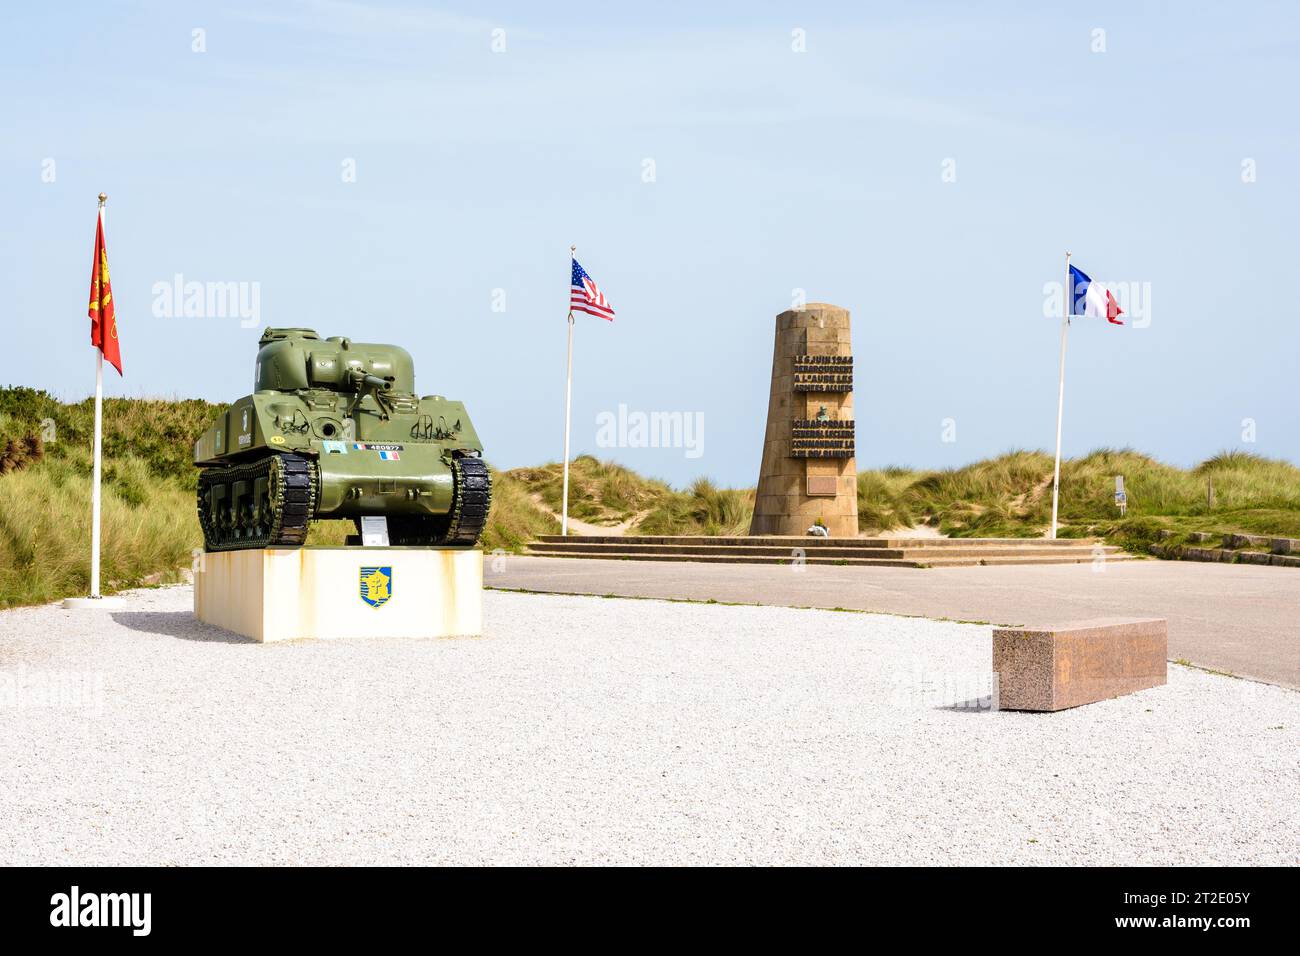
(103, 322)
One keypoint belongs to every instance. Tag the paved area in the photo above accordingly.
(584, 730)
(1241, 619)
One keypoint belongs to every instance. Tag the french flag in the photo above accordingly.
(1090, 299)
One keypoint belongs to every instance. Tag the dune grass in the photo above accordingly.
(883, 502)
(607, 494)
(149, 531)
(703, 509)
(1011, 496)
(600, 492)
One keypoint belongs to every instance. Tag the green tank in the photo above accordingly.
(334, 429)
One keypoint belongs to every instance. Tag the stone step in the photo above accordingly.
(786, 551)
(723, 557)
(808, 541)
(1226, 556)
(912, 561)
(789, 549)
(1027, 559)
(1018, 542)
(760, 550)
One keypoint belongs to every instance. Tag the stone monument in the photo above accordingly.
(808, 474)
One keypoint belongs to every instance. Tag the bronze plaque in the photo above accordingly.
(821, 485)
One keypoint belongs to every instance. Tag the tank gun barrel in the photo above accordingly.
(362, 379)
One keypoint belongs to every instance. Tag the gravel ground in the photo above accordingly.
(590, 730)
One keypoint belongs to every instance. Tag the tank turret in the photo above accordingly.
(335, 429)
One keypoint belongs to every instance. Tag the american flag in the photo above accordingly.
(585, 297)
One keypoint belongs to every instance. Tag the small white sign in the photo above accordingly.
(374, 531)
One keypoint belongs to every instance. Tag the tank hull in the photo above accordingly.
(369, 478)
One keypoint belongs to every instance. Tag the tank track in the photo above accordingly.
(460, 527)
(469, 513)
(290, 503)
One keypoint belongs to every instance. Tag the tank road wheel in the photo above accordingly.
(266, 503)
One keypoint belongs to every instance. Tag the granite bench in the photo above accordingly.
(1065, 665)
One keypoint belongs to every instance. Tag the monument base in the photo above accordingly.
(292, 594)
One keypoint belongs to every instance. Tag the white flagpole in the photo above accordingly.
(99, 440)
(568, 405)
(94, 494)
(96, 600)
(1067, 301)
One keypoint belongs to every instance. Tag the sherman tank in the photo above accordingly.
(334, 429)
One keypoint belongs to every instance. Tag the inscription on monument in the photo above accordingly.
(821, 438)
(823, 373)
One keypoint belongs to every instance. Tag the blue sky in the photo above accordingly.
(774, 170)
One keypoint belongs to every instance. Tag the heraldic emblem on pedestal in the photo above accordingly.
(376, 585)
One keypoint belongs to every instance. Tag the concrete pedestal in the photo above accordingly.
(285, 595)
